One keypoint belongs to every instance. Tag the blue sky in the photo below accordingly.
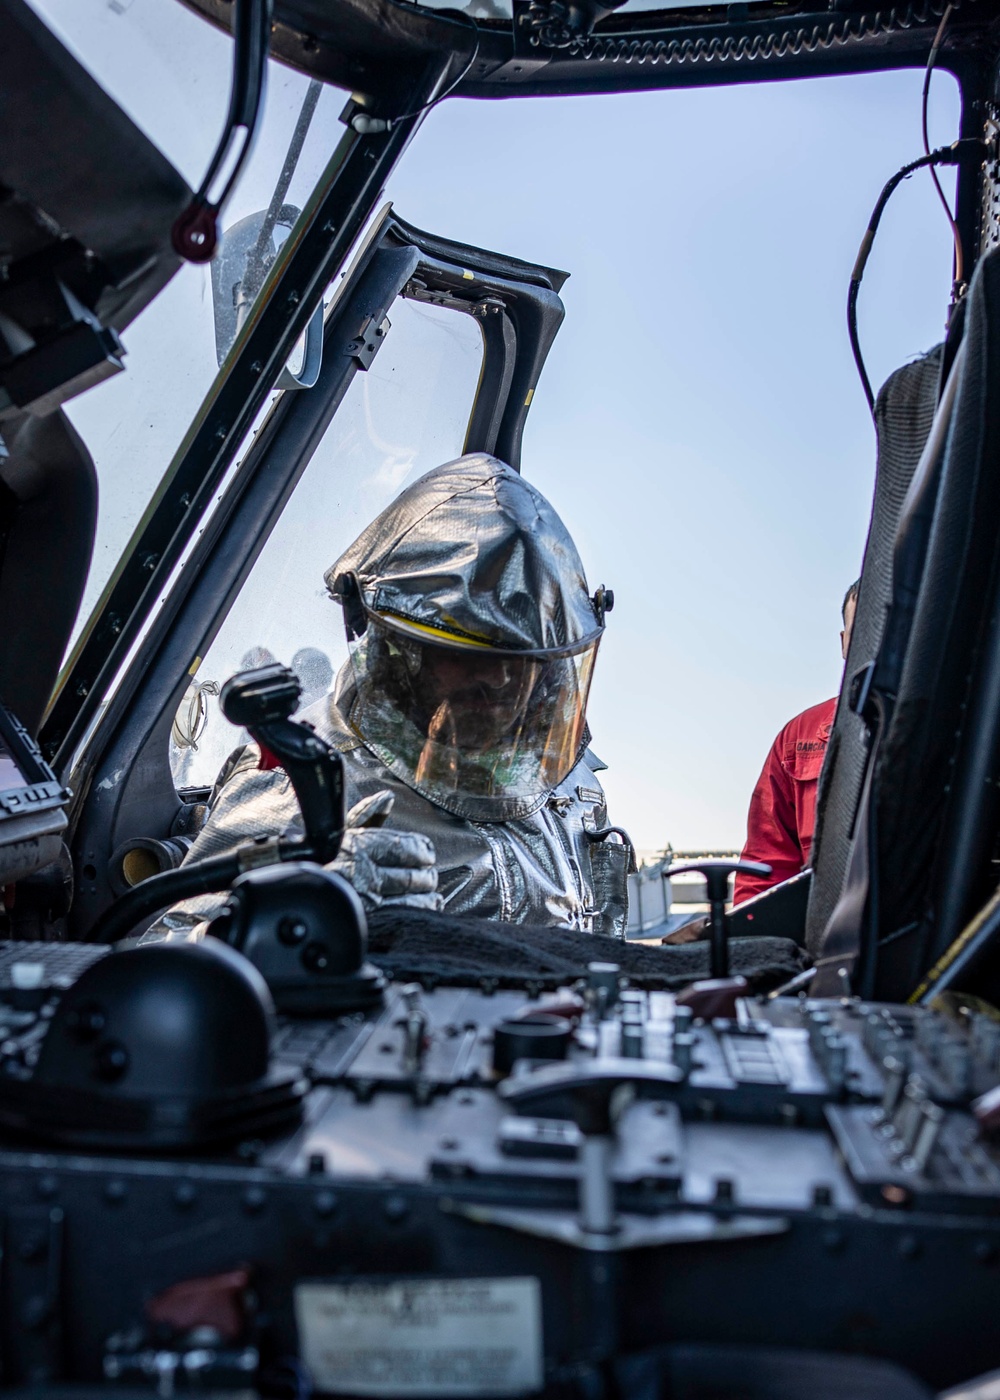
(699, 424)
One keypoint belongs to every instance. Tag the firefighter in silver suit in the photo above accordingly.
(460, 715)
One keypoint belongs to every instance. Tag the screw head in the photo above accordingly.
(112, 1061)
(292, 931)
(315, 957)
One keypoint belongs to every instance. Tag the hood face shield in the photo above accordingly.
(473, 637)
(483, 732)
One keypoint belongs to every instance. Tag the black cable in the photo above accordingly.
(201, 877)
(366, 125)
(958, 266)
(156, 893)
(451, 86)
(945, 155)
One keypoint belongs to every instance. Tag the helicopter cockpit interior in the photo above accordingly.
(377, 1151)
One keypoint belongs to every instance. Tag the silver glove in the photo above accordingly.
(386, 866)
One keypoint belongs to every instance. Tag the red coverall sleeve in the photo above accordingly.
(771, 827)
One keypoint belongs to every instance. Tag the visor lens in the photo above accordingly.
(470, 722)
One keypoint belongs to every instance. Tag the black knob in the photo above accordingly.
(316, 957)
(717, 873)
(534, 1038)
(261, 696)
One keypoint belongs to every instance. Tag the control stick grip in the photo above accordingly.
(262, 701)
(717, 873)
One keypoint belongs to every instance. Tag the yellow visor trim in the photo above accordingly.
(406, 624)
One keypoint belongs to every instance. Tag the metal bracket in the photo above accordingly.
(369, 342)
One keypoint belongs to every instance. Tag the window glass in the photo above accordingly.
(699, 424)
(170, 70)
(408, 413)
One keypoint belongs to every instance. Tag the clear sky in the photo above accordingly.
(699, 424)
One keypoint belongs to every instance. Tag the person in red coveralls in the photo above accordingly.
(782, 816)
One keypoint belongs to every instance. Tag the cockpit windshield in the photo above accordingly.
(699, 425)
(170, 71)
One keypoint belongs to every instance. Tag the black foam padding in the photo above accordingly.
(904, 413)
(409, 943)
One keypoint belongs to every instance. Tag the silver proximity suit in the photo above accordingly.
(472, 639)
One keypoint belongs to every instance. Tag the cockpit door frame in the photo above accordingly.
(122, 776)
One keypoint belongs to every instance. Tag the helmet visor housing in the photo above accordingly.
(482, 731)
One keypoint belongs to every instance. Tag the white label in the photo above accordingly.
(423, 1337)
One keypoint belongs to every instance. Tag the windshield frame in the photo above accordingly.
(627, 50)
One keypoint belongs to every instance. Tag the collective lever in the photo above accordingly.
(717, 873)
